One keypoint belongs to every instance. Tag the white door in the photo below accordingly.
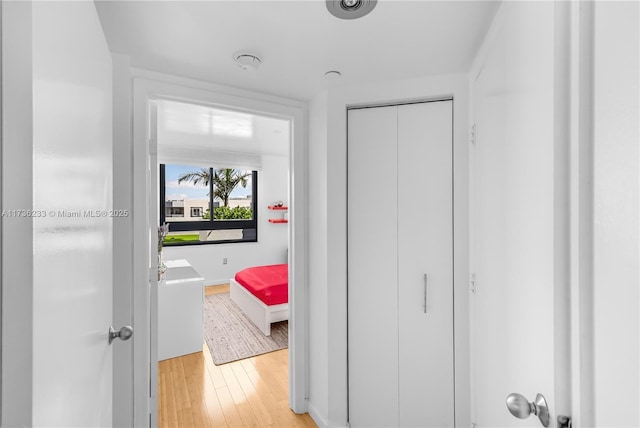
(519, 334)
(373, 275)
(72, 184)
(425, 247)
(400, 266)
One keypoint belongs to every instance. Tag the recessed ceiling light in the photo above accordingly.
(350, 9)
(247, 60)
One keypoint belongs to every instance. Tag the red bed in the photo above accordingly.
(268, 283)
(262, 292)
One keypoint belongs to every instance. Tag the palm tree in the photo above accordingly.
(227, 179)
(224, 181)
(200, 176)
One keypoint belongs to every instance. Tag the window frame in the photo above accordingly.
(211, 224)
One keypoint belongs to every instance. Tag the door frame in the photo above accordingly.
(453, 86)
(1, 127)
(148, 86)
(17, 243)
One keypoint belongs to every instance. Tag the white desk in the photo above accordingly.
(180, 310)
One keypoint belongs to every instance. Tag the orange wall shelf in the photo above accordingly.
(278, 208)
(278, 220)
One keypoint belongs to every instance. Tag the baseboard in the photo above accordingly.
(317, 418)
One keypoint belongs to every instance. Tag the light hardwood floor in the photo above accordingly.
(194, 392)
(215, 289)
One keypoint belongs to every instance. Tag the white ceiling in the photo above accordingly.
(298, 40)
(197, 128)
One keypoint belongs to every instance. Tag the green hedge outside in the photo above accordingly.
(227, 213)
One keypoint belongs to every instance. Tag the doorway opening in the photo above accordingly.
(223, 192)
(148, 151)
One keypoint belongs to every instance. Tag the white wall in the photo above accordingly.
(318, 269)
(271, 247)
(328, 264)
(616, 199)
(17, 241)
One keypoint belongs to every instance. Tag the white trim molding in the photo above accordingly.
(149, 86)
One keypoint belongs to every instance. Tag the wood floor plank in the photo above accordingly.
(213, 407)
(163, 417)
(275, 387)
(231, 415)
(284, 408)
(308, 420)
(239, 398)
(216, 289)
(180, 393)
(259, 410)
(282, 417)
(193, 366)
(185, 419)
(214, 371)
(194, 392)
(169, 403)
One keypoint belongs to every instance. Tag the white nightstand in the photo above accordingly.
(180, 310)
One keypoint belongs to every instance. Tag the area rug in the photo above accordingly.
(231, 336)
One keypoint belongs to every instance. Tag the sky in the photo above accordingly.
(186, 190)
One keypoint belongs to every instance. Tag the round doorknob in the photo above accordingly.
(124, 333)
(521, 408)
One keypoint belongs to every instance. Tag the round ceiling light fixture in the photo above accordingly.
(246, 60)
(350, 9)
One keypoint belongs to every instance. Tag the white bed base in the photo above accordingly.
(255, 309)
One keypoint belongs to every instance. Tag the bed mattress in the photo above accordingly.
(268, 283)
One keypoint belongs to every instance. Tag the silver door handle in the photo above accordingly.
(123, 334)
(521, 408)
(425, 293)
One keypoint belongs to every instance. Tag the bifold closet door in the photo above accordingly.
(425, 247)
(373, 267)
(399, 230)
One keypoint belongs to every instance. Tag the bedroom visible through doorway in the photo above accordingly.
(220, 174)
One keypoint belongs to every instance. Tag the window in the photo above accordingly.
(173, 210)
(208, 205)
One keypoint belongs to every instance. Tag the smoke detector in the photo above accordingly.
(350, 9)
(246, 60)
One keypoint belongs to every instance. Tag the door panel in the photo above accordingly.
(513, 216)
(400, 227)
(372, 274)
(425, 246)
(72, 184)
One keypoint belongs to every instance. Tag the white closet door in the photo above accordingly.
(425, 246)
(373, 267)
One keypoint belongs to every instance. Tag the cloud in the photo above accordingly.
(173, 184)
(175, 197)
